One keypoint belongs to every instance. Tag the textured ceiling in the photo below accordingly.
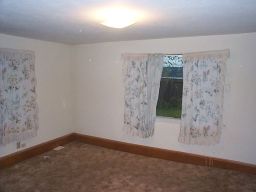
(69, 22)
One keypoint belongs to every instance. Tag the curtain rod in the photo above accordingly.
(225, 51)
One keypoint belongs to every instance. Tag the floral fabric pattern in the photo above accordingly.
(18, 106)
(202, 101)
(142, 74)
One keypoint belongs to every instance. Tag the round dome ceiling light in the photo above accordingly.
(118, 17)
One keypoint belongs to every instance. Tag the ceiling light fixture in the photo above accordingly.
(118, 17)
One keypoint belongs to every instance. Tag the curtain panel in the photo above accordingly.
(142, 75)
(18, 106)
(203, 94)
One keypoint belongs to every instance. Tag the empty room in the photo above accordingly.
(127, 96)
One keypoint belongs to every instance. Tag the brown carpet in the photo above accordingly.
(85, 168)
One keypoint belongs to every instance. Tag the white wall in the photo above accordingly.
(90, 77)
(99, 93)
(53, 88)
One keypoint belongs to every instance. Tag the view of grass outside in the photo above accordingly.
(174, 112)
(171, 85)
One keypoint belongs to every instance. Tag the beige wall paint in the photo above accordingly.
(53, 88)
(80, 89)
(99, 93)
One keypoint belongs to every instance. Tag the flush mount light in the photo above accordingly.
(118, 17)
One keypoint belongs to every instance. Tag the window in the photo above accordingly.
(171, 85)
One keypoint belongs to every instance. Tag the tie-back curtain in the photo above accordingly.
(18, 107)
(202, 101)
(142, 75)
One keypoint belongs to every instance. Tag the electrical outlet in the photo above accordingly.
(20, 145)
(23, 145)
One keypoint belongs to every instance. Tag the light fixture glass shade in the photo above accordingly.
(118, 17)
(117, 23)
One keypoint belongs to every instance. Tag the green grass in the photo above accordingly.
(174, 112)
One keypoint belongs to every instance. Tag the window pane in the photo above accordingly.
(171, 85)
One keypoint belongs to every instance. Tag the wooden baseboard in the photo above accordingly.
(167, 154)
(16, 157)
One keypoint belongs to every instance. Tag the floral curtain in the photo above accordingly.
(142, 75)
(202, 102)
(18, 107)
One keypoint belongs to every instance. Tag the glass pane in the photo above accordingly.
(173, 67)
(171, 85)
(173, 61)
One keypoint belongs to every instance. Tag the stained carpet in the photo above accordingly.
(86, 168)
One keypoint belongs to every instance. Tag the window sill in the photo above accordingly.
(162, 119)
